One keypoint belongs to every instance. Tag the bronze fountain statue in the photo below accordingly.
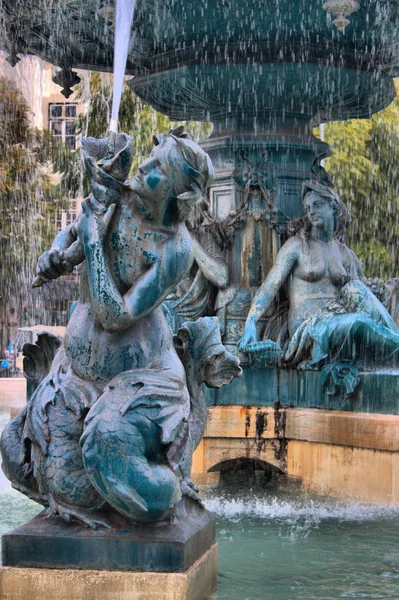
(112, 426)
(332, 314)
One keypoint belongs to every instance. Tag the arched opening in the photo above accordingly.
(248, 472)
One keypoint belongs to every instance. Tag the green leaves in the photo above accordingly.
(365, 171)
(36, 171)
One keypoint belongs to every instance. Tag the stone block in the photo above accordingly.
(49, 542)
(12, 392)
(240, 422)
(349, 473)
(223, 452)
(343, 428)
(197, 583)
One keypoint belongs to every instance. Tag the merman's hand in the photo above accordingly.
(51, 265)
(92, 226)
(250, 335)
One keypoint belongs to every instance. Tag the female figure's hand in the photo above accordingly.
(250, 335)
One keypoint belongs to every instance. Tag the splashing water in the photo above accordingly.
(295, 508)
(124, 12)
(290, 545)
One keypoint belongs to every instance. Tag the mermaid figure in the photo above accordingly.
(332, 314)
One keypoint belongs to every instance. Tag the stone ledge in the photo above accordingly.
(378, 392)
(358, 430)
(342, 428)
(197, 583)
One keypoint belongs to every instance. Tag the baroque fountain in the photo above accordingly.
(238, 247)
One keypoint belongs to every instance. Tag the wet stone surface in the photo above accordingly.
(49, 542)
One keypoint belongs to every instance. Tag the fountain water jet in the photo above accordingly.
(124, 14)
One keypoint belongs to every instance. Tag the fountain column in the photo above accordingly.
(265, 74)
(286, 154)
(256, 191)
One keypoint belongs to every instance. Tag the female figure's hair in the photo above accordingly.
(302, 226)
(199, 168)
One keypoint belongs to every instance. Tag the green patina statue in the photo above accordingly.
(117, 417)
(197, 294)
(333, 316)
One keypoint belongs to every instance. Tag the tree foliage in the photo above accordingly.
(365, 171)
(35, 173)
(136, 117)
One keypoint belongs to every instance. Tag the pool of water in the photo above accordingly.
(284, 545)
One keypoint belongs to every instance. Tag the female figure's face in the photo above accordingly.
(319, 210)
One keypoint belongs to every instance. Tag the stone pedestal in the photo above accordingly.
(197, 583)
(279, 158)
(255, 193)
(49, 542)
(47, 558)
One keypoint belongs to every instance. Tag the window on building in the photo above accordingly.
(58, 221)
(62, 122)
(70, 217)
(66, 217)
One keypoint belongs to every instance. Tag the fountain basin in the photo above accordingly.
(343, 454)
(377, 392)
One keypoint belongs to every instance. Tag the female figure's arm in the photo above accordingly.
(114, 310)
(285, 262)
(215, 269)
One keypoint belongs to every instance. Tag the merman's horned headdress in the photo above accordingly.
(200, 168)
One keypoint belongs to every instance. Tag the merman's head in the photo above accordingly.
(178, 169)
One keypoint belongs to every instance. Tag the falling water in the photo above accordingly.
(282, 546)
(124, 12)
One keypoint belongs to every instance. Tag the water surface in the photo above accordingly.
(287, 546)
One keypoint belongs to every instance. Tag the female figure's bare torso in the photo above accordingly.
(317, 277)
(314, 265)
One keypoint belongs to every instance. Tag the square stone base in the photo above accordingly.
(47, 542)
(197, 583)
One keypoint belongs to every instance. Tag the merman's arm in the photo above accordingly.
(65, 253)
(114, 310)
(214, 268)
